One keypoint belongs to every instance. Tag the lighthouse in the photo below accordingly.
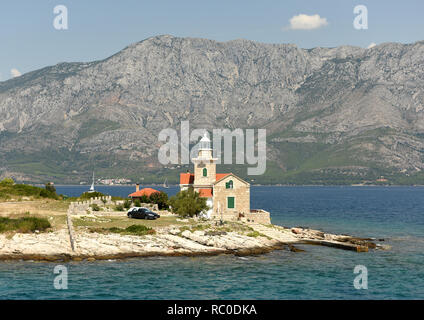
(204, 165)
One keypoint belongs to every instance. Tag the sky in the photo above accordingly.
(97, 29)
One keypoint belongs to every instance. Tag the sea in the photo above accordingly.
(395, 214)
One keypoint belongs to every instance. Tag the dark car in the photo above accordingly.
(142, 213)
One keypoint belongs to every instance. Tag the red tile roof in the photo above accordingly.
(205, 193)
(219, 176)
(143, 192)
(186, 178)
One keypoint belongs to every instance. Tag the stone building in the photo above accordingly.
(227, 195)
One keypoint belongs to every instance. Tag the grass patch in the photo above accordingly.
(197, 227)
(24, 224)
(254, 234)
(124, 222)
(135, 229)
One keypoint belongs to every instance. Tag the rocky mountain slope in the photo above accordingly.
(333, 115)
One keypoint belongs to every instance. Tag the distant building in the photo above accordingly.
(227, 195)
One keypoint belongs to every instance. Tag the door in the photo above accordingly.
(230, 202)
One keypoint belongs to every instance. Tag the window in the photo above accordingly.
(229, 184)
(230, 202)
(205, 172)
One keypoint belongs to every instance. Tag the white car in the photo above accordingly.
(135, 208)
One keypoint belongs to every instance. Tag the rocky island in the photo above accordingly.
(37, 224)
(110, 235)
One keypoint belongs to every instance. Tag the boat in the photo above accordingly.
(165, 183)
(92, 186)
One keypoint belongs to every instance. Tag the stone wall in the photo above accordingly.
(151, 206)
(257, 216)
(80, 207)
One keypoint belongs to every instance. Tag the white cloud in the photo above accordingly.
(372, 44)
(15, 73)
(305, 22)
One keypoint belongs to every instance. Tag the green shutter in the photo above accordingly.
(205, 172)
(230, 202)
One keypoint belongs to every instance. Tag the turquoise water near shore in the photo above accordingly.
(393, 213)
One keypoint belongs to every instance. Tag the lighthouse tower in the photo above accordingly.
(204, 164)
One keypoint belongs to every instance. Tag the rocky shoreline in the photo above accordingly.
(170, 241)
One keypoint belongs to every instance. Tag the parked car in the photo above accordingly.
(142, 213)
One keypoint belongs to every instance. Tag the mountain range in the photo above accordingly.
(341, 115)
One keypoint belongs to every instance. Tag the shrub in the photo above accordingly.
(9, 189)
(254, 234)
(127, 204)
(137, 203)
(119, 207)
(95, 207)
(188, 203)
(24, 225)
(115, 230)
(7, 182)
(135, 229)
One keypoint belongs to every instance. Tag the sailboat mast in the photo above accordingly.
(92, 184)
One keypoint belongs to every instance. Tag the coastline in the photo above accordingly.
(171, 241)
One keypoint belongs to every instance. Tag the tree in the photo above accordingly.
(188, 203)
(137, 203)
(49, 191)
(50, 187)
(144, 199)
(127, 204)
(161, 199)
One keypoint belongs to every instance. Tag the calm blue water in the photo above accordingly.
(395, 213)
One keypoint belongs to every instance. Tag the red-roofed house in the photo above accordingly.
(143, 192)
(227, 195)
